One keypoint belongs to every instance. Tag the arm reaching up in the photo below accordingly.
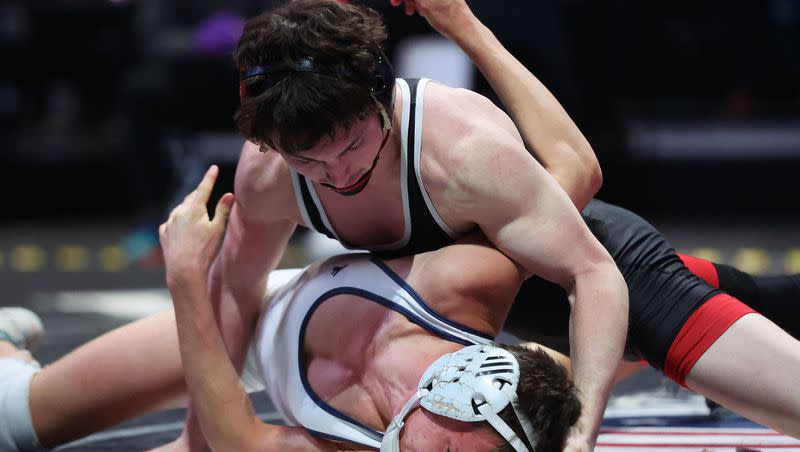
(548, 131)
(191, 242)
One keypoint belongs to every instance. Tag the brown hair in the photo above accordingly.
(545, 396)
(304, 108)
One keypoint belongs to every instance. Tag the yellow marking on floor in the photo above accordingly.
(792, 261)
(709, 254)
(752, 260)
(28, 258)
(72, 258)
(112, 258)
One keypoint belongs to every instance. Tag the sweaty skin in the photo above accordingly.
(520, 208)
(370, 384)
(522, 211)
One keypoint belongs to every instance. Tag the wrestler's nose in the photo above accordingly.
(339, 174)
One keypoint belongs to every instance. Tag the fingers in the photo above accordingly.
(223, 209)
(203, 190)
(195, 204)
(410, 7)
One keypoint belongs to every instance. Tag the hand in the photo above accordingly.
(189, 239)
(443, 15)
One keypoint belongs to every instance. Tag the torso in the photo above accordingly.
(374, 219)
(355, 349)
(342, 374)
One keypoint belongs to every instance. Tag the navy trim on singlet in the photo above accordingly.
(377, 299)
(425, 233)
(402, 283)
(328, 436)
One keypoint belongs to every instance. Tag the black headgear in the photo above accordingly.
(380, 80)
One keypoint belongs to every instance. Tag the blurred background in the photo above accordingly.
(109, 111)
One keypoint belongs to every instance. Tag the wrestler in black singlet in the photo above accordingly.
(663, 292)
(426, 234)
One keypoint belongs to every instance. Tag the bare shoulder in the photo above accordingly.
(263, 186)
(466, 138)
(458, 114)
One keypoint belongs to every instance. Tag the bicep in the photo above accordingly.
(261, 220)
(527, 215)
(567, 158)
(252, 248)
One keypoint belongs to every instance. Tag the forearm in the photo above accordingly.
(235, 317)
(548, 131)
(211, 378)
(598, 328)
(193, 434)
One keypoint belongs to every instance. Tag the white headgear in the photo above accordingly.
(472, 385)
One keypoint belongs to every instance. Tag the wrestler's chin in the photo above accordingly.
(354, 189)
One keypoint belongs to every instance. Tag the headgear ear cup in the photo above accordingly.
(383, 88)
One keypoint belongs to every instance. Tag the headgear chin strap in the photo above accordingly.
(471, 385)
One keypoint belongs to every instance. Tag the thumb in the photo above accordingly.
(224, 206)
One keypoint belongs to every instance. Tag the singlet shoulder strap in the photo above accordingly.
(307, 205)
(370, 279)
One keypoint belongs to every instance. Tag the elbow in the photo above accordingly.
(589, 182)
(580, 175)
(591, 168)
(617, 286)
(606, 281)
(595, 176)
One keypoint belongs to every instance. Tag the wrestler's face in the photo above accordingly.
(428, 432)
(344, 163)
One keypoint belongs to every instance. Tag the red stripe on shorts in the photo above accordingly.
(702, 329)
(702, 268)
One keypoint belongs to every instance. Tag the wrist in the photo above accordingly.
(472, 36)
(461, 25)
(185, 280)
(588, 425)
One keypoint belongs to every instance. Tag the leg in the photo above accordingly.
(9, 350)
(752, 369)
(124, 373)
(775, 297)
